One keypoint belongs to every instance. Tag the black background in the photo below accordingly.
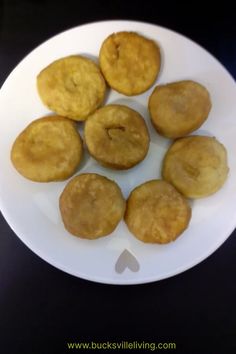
(42, 308)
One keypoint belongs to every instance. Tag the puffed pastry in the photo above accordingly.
(117, 136)
(129, 62)
(72, 87)
(196, 165)
(156, 212)
(48, 149)
(178, 108)
(91, 206)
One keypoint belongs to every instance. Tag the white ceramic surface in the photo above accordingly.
(31, 209)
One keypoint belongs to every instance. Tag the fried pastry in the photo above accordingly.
(179, 108)
(48, 149)
(196, 166)
(156, 212)
(129, 62)
(91, 206)
(117, 136)
(72, 86)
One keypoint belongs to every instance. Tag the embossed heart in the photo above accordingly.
(126, 260)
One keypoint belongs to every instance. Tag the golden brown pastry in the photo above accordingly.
(117, 136)
(156, 212)
(179, 108)
(91, 206)
(72, 86)
(129, 62)
(196, 166)
(48, 149)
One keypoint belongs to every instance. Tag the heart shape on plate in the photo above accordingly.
(126, 260)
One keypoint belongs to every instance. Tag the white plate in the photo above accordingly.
(31, 209)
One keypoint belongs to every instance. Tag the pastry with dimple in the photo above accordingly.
(48, 149)
(72, 87)
(129, 62)
(196, 165)
(117, 136)
(179, 108)
(91, 206)
(156, 212)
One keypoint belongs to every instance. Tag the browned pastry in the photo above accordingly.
(129, 62)
(72, 87)
(117, 136)
(179, 108)
(91, 206)
(196, 166)
(48, 149)
(156, 212)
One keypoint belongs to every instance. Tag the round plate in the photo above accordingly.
(31, 209)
